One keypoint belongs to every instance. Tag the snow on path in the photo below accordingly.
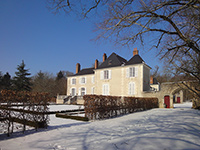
(156, 129)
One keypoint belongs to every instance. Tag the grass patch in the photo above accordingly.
(60, 115)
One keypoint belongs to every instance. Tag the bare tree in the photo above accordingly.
(44, 82)
(174, 25)
(47, 82)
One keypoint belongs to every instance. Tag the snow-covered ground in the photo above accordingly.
(160, 129)
(64, 107)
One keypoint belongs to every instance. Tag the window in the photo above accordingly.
(131, 88)
(92, 90)
(132, 72)
(106, 74)
(73, 81)
(83, 91)
(105, 89)
(82, 80)
(93, 79)
(73, 91)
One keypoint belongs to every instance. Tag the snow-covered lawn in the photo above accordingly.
(64, 107)
(160, 129)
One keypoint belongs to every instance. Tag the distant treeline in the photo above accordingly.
(41, 82)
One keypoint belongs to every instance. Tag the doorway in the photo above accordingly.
(167, 101)
(178, 100)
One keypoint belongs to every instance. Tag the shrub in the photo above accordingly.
(101, 107)
(71, 117)
(29, 109)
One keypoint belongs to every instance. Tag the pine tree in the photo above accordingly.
(59, 75)
(21, 81)
(6, 81)
(1, 86)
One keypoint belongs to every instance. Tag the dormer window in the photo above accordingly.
(110, 62)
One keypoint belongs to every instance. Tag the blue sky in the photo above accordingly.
(50, 43)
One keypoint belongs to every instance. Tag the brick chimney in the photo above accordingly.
(135, 52)
(96, 64)
(104, 57)
(151, 79)
(78, 67)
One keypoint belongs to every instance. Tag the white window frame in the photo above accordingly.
(105, 74)
(80, 91)
(131, 89)
(132, 72)
(92, 90)
(73, 81)
(82, 80)
(72, 92)
(105, 89)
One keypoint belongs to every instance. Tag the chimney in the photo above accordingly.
(104, 57)
(96, 64)
(78, 67)
(135, 52)
(151, 79)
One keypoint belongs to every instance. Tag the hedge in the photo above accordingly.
(102, 107)
(71, 117)
(30, 109)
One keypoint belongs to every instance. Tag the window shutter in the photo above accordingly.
(92, 80)
(133, 89)
(85, 79)
(103, 89)
(129, 89)
(108, 90)
(136, 71)
(101, 75)
(127, 72)
(92, 90)
(109, 74)
(133, 71)
(79, 91)
(71, 81)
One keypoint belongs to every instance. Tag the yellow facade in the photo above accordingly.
(117, 84)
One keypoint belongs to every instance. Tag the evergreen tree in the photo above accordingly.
(61, 83)
(1, 81)
(21, 81)
(59, 75)
(6, 81)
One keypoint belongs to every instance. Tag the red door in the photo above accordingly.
(167, 101)
(178, 100)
